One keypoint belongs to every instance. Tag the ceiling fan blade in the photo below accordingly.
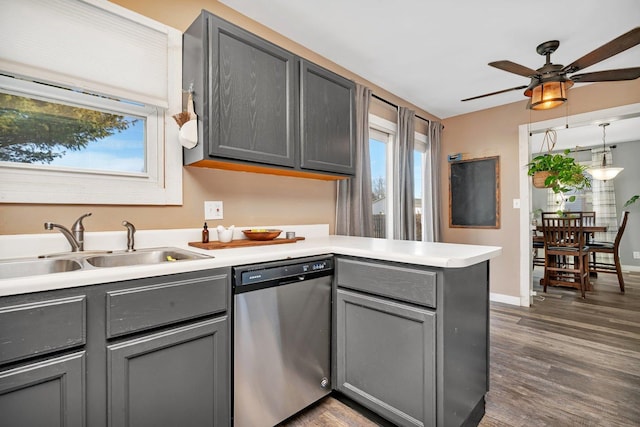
(614, 47)
(608, 75)
(514, 68)
(495, 93)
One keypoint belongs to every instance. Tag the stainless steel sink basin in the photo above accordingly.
(74, 261)
(145, 256)
(34, 267)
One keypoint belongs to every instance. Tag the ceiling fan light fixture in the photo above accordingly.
(550, 94)
(604, 172)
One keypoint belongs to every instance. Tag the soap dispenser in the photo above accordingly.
(205, 234)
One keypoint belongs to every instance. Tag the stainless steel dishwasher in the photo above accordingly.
(282, 338)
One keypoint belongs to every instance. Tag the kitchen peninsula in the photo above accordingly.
(420, 308)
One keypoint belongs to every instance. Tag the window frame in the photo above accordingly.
(161, 184)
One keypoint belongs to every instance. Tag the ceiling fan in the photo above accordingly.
(549, 84)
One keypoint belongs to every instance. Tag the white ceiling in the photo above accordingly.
(433, 54)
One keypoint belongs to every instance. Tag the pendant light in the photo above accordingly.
(604, 172)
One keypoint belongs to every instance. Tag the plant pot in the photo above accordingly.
(539, 178)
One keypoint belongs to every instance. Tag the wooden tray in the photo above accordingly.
(242, 243)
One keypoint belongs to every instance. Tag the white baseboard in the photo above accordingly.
(506, 299)
(633, 268)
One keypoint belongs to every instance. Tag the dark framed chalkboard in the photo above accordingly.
(474, 193)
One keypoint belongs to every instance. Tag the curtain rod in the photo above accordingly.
(580, 149)
(396, 107)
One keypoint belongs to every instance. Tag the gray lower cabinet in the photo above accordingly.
(262, 106)
(49, 393)
(173, 378)
(386, 357)
(38, 387)
(145, 352)
(412, 342)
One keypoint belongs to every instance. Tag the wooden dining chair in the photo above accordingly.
(538, 247)
(566, 260)
(589, 219)
(596, 247)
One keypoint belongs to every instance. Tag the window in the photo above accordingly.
(83, 119)
(420, 180)
(381, 139)
(380, 152)
(47, 131)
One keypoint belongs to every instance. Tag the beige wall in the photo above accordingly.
(495, 132)
(249, 199)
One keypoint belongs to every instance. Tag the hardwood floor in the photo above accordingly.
(563, 361)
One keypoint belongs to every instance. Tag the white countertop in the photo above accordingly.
(317, 242)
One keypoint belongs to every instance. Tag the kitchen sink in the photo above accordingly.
(34, 267)
(145, 256)
(77, 261)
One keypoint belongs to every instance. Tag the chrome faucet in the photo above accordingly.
(76, 239)
(130, 232)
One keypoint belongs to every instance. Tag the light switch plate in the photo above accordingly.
(213, 210)
(516, 203)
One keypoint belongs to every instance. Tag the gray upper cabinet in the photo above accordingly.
(260, 105)
(327, 117)
(244, 90)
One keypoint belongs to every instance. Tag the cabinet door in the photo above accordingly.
(252, 97)
(179, 377)
(386, 357)
(327, 120)
(44, 394)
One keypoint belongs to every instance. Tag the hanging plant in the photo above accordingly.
(560, 172)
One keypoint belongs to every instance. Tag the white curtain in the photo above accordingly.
(432, 200)
(354, 212)
(404, 223)
(604, 203)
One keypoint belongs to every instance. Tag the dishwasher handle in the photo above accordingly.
(290, 280)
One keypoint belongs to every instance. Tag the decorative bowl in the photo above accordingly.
(262, 234)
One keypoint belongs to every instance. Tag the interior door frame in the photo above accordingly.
(525, 187)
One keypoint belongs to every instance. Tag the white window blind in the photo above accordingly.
(94, 47)
(84, 45)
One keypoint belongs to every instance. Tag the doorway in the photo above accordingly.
(526, 133)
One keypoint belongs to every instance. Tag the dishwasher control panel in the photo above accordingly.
(259, 273)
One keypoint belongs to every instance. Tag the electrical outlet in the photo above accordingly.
(213, 210)
(636, 255)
